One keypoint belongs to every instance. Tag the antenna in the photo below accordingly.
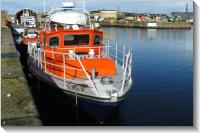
(55, 4)
(84, 5)
(118, 6)
(44, 4)
(186, 7)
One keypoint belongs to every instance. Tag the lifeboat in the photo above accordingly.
(74, 57)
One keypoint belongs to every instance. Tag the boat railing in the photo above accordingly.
(39, 55)
(99, 54)
(120, 52)
(117, 50)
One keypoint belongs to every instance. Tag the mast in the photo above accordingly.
(186, 8)
(44, 4)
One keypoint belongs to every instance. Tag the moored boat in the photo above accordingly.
(72, 55)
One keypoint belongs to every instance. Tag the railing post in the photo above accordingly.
(116, 50)
(45, 65)
(64, 69)
(125, 71)
(41, 59)
(108, 48)
(99, 52)
(130, 69)
(87, 75)
(124, 51)
(34, 55)
(38, 58)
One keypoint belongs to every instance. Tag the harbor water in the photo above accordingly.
(163, 75)
(162, 93)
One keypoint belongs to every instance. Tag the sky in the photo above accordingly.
(136, 6)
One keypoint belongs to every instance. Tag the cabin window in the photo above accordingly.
(70, 40)
(97, 40)
(54, 41)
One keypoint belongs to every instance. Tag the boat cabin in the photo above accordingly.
(86, 43)
(79, 41)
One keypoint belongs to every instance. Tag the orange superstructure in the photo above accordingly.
(81, 42)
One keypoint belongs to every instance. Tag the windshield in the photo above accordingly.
(70, 40)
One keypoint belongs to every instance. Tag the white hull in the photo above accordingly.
(76, 89)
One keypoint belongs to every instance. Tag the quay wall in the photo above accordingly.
(4, 16)
(160, 25)
(17, 105)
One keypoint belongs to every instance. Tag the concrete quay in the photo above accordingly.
(159, 25)
(17, 105)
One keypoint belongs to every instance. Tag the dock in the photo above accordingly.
(17, 105)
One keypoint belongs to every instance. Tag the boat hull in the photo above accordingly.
(99, 110)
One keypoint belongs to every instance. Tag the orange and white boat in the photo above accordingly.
(72, 55)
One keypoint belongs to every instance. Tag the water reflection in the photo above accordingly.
(162, 73)
(161, 35)
(151, 34)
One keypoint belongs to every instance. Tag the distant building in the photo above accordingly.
(165, 18)
(95, 13)
(135, 17)
(157, 18)
(41, 17)
(12, 18)
(112, 14)
(147, 17)
(143, 18)
(107, 14)
(183, 14)
(4, 16)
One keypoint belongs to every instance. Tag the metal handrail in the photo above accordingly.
(125, 59)
(64, 67)
(84, 47)
(129, 57)
(96, 91)
(113, 45)
(89, 47)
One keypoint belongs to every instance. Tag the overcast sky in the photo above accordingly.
(137, 6)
